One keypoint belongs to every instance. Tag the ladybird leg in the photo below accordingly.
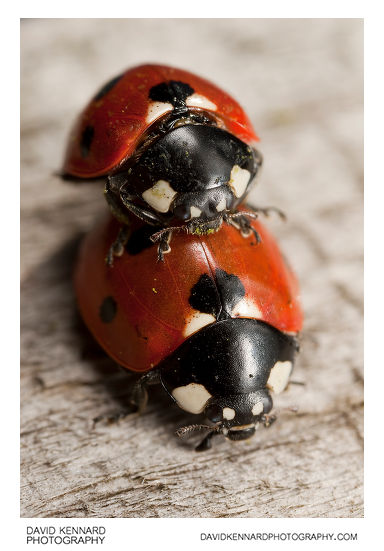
(139, 394)
(164, 237)
(258, 157)
(299, 383)
(246, 229)
(113, 417)
(164, 247)
(240, 221)
(268, 419)
(266, 211)
(144, 215)
(137, 400)
(121, 204)
(206, 443)
(117, 247)
(115, 205)
(148, 216)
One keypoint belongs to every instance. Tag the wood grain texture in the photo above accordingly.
(301, 83)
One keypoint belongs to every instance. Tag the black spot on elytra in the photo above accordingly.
(86, 140)
(139, 240)
(217, 296)
(231, 291)
(108, 310)
(204, 296)
(107, 87)
(173, 91)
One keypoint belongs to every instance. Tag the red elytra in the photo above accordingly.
(148, 301)
(115, 119)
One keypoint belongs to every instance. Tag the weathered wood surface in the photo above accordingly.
(301, 82)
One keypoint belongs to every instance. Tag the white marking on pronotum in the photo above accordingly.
(195, 212)
(221, 205)
(160, 196)
(239, 180)
(192, 397)
(228, 413)
(279, 376)
(257, 408)
(196, 321)
(156, 109)
(246, 308)
(197, 100)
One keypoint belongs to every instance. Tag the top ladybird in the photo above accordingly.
(177, 151)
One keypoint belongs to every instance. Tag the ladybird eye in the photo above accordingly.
(182, 212)
(214, 413)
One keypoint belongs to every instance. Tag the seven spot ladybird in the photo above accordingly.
(177, 151)
(215, 324)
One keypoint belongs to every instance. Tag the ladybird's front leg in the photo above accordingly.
(246, 228)
(241, 222)
(163, 237)
(268, 419)
(206, 443)
(117, 247)
(119, 212)
(164, 246)
(122, 204)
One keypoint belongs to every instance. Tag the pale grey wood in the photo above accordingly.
(301, 82)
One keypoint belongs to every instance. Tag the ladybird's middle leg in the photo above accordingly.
(266, 211)
(137, 399)
(139, 393)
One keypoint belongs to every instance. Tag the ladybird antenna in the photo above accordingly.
(241, 213)
(187, 431)
(286, 409)
(291, 409)
(266, 211)
(158, 235)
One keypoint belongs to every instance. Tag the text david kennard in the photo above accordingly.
(43, 535)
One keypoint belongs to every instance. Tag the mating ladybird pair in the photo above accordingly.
(215, 322)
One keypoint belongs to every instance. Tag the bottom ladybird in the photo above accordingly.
(216, 323)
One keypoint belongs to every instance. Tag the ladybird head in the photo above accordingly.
(237, 416)
(227, 370)
(192, 172)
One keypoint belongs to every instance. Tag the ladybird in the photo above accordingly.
(177, 151)
(219, 332)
